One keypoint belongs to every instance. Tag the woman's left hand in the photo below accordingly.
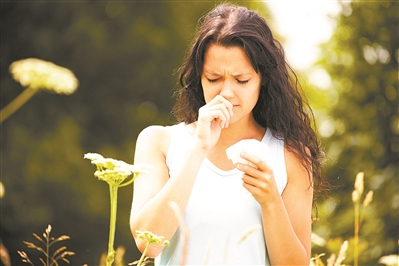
(258, 179)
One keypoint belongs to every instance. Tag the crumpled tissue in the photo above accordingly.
(251, 146)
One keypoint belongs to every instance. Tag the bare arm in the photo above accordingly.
(154, 190)
(286, 218)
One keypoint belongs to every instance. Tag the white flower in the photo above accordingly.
(39, 74)
(115, 171)
(93, 156)
(391, 260)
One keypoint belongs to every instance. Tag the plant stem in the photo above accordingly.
(144, 253)
(47, 249)
(113, 191)
(15, 104)
(356, 236)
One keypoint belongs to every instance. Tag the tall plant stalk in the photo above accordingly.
(356, 235)
(34, 75)
(359, 214)
(16, 103)
(113, 192)
(143, 255)
(116, 173)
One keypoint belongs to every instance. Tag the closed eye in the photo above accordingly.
(243, 81)
(212, 80)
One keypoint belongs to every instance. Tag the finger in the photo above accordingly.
(248, 169)
(254, 189)
(222, 107)
(216, 115)
(218, 112)
(258, 162)
(221, 99)
(249, 180)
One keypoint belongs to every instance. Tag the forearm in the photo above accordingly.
(283, 245)
(157, 215)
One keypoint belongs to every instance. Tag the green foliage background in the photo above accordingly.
(362, 113)
(125, 55)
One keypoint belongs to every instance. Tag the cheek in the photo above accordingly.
(209, 93)
(207, 96)
(254, 96)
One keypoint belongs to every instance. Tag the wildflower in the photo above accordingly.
(355, 196)
(115, 171)
(342, 253)
(249, 231)
(93, 156)
(368, 199)
(39, 74)
(48, 241)
(331, 260)
(2, 190)
(152, 238)
(149, 238)
(359, 183)
(316, 260)
(390, 260)
(36, 74)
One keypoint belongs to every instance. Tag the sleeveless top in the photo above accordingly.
(223, 219)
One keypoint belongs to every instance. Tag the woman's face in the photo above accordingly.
(228, 72)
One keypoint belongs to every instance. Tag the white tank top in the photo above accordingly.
(220, 210)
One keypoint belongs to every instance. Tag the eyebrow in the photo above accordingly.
(234, 75)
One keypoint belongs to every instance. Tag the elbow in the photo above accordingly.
(152, 251)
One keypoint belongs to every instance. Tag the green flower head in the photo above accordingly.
(152, 238)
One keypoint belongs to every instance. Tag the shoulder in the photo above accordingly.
(154, 131)
(296, 166)
(154, 137)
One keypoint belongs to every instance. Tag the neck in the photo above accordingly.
(241, 130)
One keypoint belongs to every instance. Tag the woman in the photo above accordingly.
(235, 85)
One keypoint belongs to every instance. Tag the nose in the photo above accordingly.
(227, 90)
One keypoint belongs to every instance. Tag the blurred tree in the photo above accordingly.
(125, 55)
(361, 128)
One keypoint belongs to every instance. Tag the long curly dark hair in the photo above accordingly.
(281, 106)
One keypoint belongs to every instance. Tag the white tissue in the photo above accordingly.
(250, 146)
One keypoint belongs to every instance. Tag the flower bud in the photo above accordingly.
(359, 183)
(368, 199)
(355, 196)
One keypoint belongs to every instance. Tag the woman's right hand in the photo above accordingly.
(212, 118)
